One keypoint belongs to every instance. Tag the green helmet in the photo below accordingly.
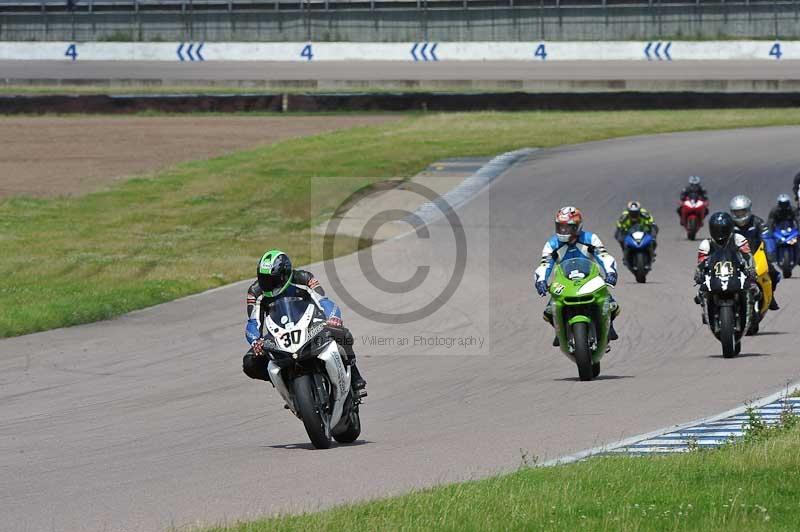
(274, 272)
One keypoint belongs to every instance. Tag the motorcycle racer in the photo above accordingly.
(571, 241)
(635, 214)
(721, 230)
(796, 189)
(782, 212)
(276, 278)
(756, 231)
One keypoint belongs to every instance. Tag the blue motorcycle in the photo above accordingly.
(638, 248)
(786, 234)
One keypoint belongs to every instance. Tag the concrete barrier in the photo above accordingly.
(420, 51)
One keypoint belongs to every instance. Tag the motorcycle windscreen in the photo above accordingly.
(577, 269)
(287, 311)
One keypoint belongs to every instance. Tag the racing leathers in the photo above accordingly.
(778, 215)
(586, 245)
(796, 189)
(255, 363)
(645, 221)
(756, 231)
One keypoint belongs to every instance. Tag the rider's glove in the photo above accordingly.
(541, 287)
(699, 277)
(334, 321)
(611, 278)
(258, 347)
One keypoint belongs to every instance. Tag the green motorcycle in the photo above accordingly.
(581, 313)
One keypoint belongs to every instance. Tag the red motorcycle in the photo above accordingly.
(693, 210)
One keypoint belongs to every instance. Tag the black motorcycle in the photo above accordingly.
(727, 299)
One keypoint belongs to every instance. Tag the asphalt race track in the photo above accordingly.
(147, 421)
(397, 70)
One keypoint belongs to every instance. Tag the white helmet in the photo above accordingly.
(784, 201)
(741, 209)
(694, 180)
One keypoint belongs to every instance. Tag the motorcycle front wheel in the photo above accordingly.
(640, 272)
(727, 332)
(691, 228)
(787, 265)
(583, 355)
(316, 428)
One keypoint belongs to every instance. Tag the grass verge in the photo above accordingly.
(203, 224)
(752, 484)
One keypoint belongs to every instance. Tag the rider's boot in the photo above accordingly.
(612, 333)
(358, 381)
(549, 319)
(345, 339)
(615, 310)
(359, 384)
(773, 305)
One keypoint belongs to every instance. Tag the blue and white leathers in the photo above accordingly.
(586, 245)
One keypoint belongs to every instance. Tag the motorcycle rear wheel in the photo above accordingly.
(312, 419)
(583, 355)
(353, 430)
(727, 333)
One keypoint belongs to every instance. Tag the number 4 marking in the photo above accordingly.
(541, 52)
(776, 51)
(307, 53)
(72, 52)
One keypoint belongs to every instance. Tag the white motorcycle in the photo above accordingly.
(307, 368)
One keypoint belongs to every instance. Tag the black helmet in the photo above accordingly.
(274, 272)
(720, 227)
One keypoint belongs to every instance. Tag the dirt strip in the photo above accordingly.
(56, 156)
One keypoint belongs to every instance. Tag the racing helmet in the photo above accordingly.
(784, 202)
(274, 272)
(694, 180)
(569, 222)
(720, 227)
(741, 209)
(634, 211)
